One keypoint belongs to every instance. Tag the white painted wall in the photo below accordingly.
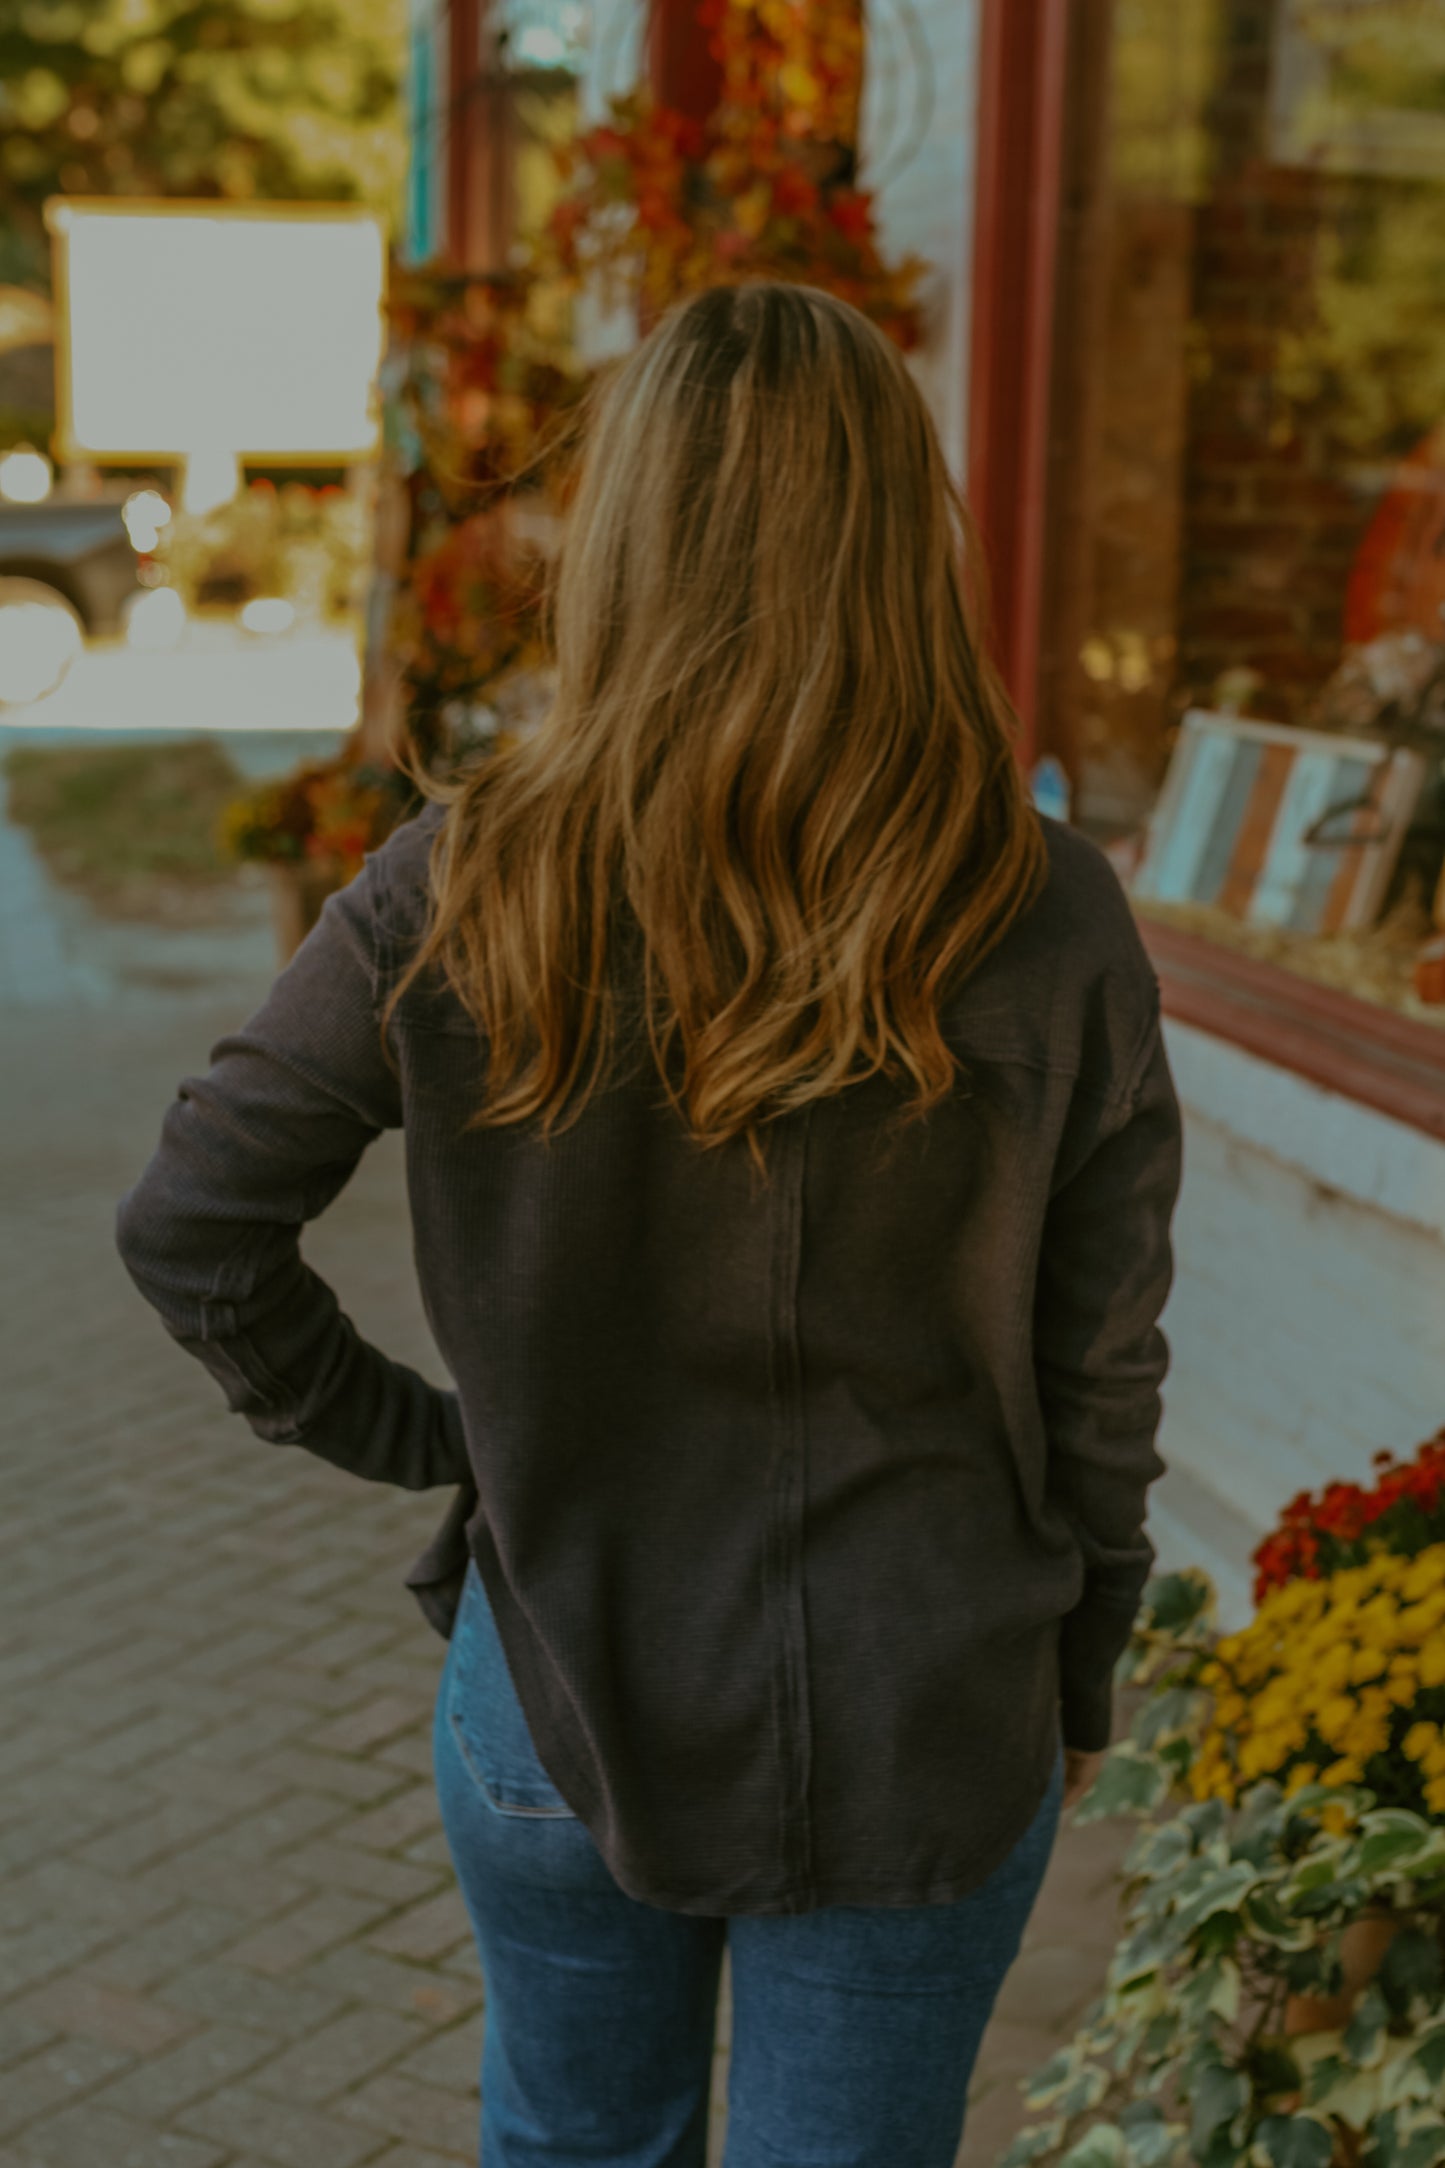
(614, 54)
(1308, 1316)
(920, 96)
(603, 328)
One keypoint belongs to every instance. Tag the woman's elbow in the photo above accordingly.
(140, 1232)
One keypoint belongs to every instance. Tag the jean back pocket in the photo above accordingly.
(486, 1716)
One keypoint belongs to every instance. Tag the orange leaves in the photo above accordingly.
(799, 60)
(751, 211)
(763, 190)
(794, 194)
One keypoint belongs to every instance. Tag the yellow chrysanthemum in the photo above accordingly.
(1333, 1670)
(1369, 1737)
(1432, 1662)
(1421, 1576)
(1334, 1718)
(1319, 1685)
(1415, 1624)
(1261, 1755)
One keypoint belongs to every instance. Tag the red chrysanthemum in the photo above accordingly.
(1317, 1533)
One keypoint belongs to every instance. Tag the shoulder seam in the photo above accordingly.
(1127, 1097)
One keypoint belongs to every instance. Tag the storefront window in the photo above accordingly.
(545, 33)
(1248, 576)
(543, 46)
(492, 94)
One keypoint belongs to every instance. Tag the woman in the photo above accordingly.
(792, 1154)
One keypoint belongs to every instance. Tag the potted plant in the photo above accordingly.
(1278, 1992)
(311, 830)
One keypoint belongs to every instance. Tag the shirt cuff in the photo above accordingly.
(1091, 1640)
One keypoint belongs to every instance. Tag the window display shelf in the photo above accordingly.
(1353, 1047)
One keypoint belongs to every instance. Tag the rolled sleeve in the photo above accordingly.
(251, 1151)
(1106, 1269)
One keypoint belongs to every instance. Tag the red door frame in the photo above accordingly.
(681, 70)
(1018, 181)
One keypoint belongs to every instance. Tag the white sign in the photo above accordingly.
(207, 327)
(1335, 89)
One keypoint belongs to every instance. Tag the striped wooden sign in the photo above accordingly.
(1278, 826)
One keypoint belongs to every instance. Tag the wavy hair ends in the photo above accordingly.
(773, 814)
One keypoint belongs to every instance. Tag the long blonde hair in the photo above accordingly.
(773, 813)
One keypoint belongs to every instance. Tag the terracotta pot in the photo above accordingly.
(298, 890)
(1430, 970)
(1362, 1952)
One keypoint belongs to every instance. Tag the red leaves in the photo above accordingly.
(852, 213)
(603, 143)
(794, 195)
(686, 136)
(655, 212)
(758, 191)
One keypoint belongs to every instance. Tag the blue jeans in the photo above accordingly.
(854, 2030)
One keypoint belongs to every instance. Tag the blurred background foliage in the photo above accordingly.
(229, 98)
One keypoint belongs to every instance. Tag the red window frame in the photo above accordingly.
(1018, 179)
(1367, 1053)
(681, 69)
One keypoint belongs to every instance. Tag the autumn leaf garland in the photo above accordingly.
(662, 205)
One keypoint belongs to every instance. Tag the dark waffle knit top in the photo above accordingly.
(808, 1508)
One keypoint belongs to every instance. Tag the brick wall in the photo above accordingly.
(1207, 520)
(1270, 523)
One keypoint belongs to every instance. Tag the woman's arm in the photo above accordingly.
(1105, 1271)
(248, 1153)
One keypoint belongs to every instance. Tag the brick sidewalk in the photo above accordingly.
(231, 1937)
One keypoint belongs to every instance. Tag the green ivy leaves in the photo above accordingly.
(1131, 1782)
(1294, 2141)
(1149, 2138)
(1100, 2148)
(1392, 1838)
(1220, 2094)
(1228, 1913)
(1176, 1602)
(1411, 1972)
